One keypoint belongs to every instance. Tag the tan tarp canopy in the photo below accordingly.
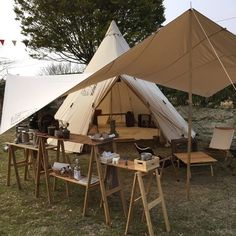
(163, 57)
(191, 53)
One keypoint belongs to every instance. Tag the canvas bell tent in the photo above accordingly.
(118, 95)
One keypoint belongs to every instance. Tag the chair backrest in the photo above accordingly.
(222, 138)
(181, 145)
(142, 149)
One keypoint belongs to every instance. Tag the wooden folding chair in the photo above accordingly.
(221, 140)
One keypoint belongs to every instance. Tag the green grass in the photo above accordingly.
(210, 211)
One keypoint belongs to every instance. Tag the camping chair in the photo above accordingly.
(164, 161)
(221, 140)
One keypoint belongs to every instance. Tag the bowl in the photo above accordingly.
(145, 156)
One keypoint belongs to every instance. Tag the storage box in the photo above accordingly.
(146, 166)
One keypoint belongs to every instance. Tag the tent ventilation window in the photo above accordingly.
(118, 80)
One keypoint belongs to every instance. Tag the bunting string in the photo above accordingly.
(14, 42)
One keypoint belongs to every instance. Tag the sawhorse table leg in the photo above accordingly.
(26, 154)
(90, 170)
(94, 157)
(138, 179)
(115, 185)
(102, 186)
(61, 150)
(42, 158)
(12, 157)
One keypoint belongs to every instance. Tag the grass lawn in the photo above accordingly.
(210, 211)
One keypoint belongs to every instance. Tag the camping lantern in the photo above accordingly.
(113, 128)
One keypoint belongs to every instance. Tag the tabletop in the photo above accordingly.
(28, 146)
(78, 138)
(196, 157)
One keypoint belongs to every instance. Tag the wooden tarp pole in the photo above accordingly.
(190, 106)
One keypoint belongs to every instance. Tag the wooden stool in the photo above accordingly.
(138, 181)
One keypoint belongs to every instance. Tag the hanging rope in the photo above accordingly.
(226, 19)
(216, 54)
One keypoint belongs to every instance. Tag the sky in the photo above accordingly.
(222, 12)
(10, 30)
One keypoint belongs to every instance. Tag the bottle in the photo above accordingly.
(77, 173)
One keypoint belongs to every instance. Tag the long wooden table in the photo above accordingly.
(83, 139)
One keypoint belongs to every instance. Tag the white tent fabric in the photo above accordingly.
(163, 57)
(170, 121)
(24, 95)
(78, 108)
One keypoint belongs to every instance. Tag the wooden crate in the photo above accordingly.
(146, 166)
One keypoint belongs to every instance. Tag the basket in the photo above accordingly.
(62, 169)
(65, 174)
(146, 166)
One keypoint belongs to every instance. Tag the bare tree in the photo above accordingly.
(61, 69)
(4, 66)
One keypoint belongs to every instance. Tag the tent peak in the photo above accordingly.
(113, 29)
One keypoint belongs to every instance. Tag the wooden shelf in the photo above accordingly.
(71, 180)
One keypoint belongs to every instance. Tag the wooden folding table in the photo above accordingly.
(138, 182)
(83, 139)
(197, 159)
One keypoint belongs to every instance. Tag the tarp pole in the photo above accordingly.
(190, 106)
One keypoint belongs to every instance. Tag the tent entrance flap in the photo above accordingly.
(119, 100)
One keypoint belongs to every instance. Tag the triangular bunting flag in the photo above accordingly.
(25, 42)
(2, 41)
(14, 42)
